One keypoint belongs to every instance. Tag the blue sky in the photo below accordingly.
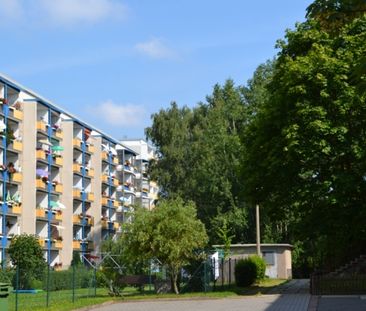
(115, 62)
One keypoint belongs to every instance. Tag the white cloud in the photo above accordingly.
(63, 13)
(128, 115)
(66, 12)
(155, 48)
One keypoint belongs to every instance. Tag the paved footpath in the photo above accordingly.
(292, 302)
(292, 296)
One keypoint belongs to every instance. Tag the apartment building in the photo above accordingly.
(61, 179)
(146, 189)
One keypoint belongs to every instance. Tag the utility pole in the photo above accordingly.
(258, 231)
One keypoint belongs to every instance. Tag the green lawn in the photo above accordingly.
(62, 300)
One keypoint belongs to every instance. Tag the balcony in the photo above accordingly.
(76, 244)
(90, 172)
(17, 145)
(76, 142)
(42, 242)
(116, 225)
(76, 219)
(76, 193)
(59, 134)
(90, 221)
(16, 209)
(40, 184)
(40, 213)
(17, 114)
(105, 178)
(91, 196)
(104, 224)
(90, 148)
(59, 188)
(17, 177)
(41, 154)
(115, 160)
(104, 201)
(58, 244)
(76, 167)
(115, 203)
(41, 126)
(58, 216)
(59, 161)
(105, 156)
(115, 182)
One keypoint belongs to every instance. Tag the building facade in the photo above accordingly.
(146, 189)
(61, 179)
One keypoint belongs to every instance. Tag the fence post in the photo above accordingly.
(214, 273)
(95, 281)
(149, 276)
(16, 288)
(73, 282)
(222, 272)
(229, 271)
(48, 286)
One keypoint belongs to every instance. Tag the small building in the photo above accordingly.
(277, 257)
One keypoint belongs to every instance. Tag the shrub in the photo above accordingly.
(249, 270)
(60, 280)
(7, 275)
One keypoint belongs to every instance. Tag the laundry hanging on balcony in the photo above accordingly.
(57, 148)
(45, 142)
(57, 205)
(41, 173)
(2, 126)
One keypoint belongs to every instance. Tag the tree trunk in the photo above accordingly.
(174, 277)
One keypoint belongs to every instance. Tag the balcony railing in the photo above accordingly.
(16, 208)
(17, 145)
(76, 142)
(41, 213)
(90, 172)
(90, 196)
(40, 183)
(17, 177)
(59, 188)
(16, 113)
(76, 193)
(76, 168)
(41, 154)
(58, 161)
(42, 126)
(76, 244)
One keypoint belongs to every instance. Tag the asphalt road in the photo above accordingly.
(294, 302)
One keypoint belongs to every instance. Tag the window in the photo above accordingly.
(269, 258)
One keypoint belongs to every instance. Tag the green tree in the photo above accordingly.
(199, 154)
(304, 159)
(27, 255)
(170, 233)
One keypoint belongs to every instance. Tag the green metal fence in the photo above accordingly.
(50, 287)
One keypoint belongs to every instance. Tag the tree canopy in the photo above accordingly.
(305, 156)
(170, 233)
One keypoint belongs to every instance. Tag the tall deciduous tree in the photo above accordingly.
(170, 233)
(199, 156)
(305, 156)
